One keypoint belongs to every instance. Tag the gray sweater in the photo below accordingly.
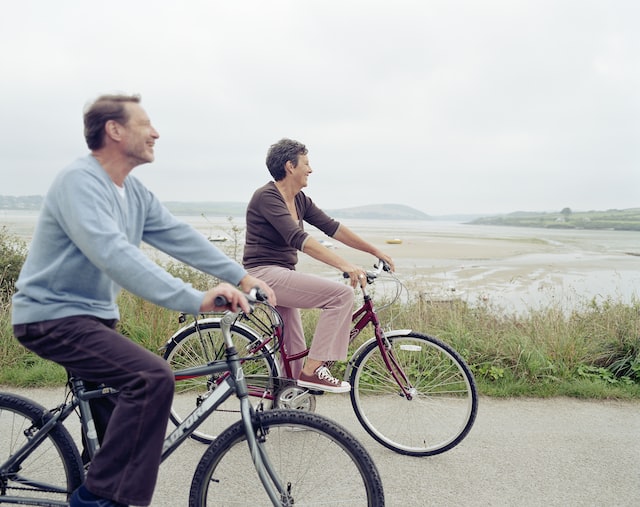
(85, 248)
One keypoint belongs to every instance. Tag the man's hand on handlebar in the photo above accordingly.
(251, 282)
(235, 298)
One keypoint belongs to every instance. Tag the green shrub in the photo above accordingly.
(13, 252)
(196, 278)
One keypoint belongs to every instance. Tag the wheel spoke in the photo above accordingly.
(441, 404)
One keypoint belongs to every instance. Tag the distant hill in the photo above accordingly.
(211, 209)
(237, 209)
(613, 219)
(380, 211)
(27, 203)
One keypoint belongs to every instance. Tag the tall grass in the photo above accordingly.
(593, 351)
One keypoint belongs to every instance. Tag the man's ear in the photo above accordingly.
(113, 129)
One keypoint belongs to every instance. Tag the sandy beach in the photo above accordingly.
(510, 268)
(507, 267)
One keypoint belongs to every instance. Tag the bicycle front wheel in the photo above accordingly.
(51, 471)
(317, 461)
(440, 407)
(197, 347)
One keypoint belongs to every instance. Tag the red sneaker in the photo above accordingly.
(322, 380)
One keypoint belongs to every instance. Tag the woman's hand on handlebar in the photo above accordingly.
(357, 275)
(384, 257)
(235, 298)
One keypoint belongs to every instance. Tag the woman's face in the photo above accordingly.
(300, 173)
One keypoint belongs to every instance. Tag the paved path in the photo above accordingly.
(557, 452)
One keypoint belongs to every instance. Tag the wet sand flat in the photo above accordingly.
(514, 268)
(508, 267)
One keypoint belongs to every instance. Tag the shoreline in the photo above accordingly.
(511, 268)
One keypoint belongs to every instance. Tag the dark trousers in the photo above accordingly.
(125, 469)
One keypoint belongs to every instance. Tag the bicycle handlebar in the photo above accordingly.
(257, 295)
(382, 265)
(379, 267)
(254, 296)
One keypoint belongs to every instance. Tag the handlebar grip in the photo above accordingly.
(220, 301)
(369, 276)
(256, 294)
(382, 265)
(259, 294)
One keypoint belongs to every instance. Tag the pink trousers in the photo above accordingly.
(296, 290)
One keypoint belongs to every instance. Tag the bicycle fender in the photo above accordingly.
(356, 354)
(192, 325)
(189, 326)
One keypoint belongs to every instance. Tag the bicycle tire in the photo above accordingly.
(190, 348)
(444, 404)
(51, 471)
(321, 463)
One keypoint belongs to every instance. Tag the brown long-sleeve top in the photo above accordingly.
(273, 237)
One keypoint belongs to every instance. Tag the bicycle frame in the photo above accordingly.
(361, 318)
(273, 338)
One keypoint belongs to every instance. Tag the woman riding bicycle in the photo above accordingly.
(275, 232)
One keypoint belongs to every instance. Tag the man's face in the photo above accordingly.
(139, 135)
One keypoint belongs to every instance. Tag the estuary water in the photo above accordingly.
(510, 268)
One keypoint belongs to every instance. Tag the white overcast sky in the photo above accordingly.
(469, 106)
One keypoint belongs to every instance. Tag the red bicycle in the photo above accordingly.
(412, 392)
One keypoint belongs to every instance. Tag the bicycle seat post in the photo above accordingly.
(86, 416)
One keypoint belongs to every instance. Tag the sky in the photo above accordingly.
(448, 106)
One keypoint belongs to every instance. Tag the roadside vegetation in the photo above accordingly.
(619, 220)
(592, 352)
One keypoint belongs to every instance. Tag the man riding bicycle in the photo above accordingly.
(84, 250)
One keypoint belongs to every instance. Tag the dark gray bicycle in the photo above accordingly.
(263, 459)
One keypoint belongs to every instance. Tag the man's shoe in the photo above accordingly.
(82, 497)
(323, 381)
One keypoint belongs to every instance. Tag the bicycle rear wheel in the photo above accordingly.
(50, 471)
(192, 348)
(323, 465)
(442, 403)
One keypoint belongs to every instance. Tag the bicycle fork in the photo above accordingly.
(256, 435)
(388, 357)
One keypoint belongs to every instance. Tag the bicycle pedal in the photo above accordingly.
(315, 392)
